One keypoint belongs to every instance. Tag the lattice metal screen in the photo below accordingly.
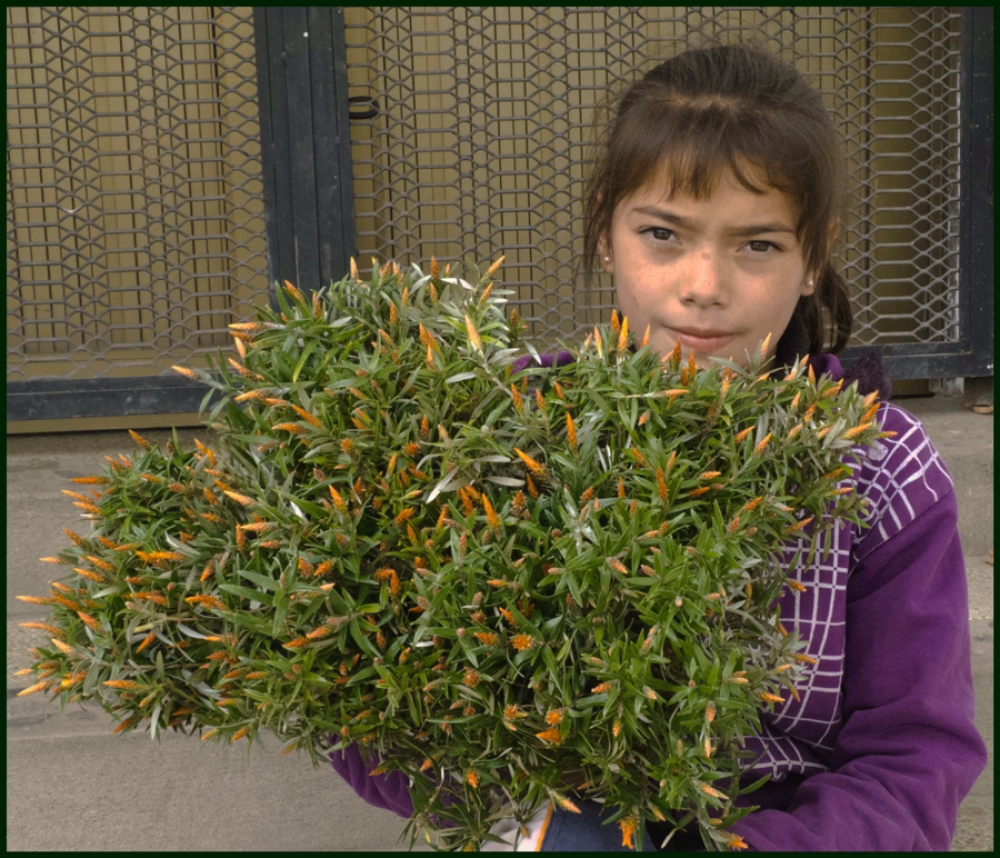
(481, 139)
(135, 228)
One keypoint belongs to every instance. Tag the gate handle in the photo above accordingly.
(371, 113)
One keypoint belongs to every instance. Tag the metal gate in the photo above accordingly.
(135, 222)
(479, 148)
(139, 196)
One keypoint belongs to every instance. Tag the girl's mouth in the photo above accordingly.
(702, 343)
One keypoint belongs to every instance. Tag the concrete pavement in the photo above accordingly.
(72, 785)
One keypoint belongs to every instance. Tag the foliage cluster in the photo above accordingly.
(509, 594)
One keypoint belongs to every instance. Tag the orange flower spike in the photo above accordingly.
(91, 481)
(552, 735)
(760, 447)
(309, 418)
(675, 355)
(741, 436)
(535, 467)
(492, 519)
(37, 600)
(123, 684)
(474, 337)
(142, 442)
(571, 431)
(602, 688)
(76, 495)
(618, 566)
(794, 528)
(518, 401)
(771, 698)
(615, 324)
(295, 293)
(522, 642)
(103, 565)
(857, 430)
(645, 338)
(833, 391)
(736, 842)
(623, 336)
(629, 825)
(472, 778)
(661, 485)
(507, 615)
(705, 788)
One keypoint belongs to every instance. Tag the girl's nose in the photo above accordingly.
(704, 285)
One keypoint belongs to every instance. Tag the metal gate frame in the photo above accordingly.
(971, 356)
(309, 210)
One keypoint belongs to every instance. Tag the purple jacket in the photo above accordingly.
(882, 748)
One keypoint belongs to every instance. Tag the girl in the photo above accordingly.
(714, 203)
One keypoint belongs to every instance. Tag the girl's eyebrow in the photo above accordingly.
(742, 232)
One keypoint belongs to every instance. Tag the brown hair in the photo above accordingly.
(730, 107)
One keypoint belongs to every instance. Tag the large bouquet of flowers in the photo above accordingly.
(509, 594)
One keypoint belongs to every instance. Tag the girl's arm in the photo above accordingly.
(387, 791)
(908, 751)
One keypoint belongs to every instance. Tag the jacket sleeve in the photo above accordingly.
(908, 751)
(388, 791)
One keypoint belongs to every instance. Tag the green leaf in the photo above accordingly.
(247, 593)
(262, 581)
(279, 293)
(306, 352)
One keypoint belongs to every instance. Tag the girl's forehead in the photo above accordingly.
(659, 190)
(673, 178)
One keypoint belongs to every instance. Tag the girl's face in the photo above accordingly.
(720, 274)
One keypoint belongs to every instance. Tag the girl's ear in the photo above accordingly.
(607, 261)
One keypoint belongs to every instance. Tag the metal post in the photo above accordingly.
(977, 197)
(305, 145)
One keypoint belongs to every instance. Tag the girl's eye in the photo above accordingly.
(659, 233)
(759, 247)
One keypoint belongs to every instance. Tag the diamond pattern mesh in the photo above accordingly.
(135, 229)
(480, 144)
